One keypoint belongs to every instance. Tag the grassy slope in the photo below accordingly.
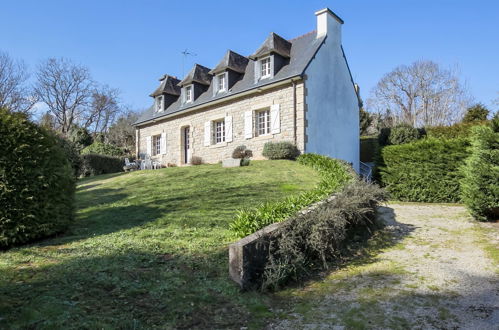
(148, 249)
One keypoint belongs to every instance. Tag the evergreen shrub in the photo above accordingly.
(37, 183)
(280, 150)
(103, 149)
(480, 183)
(423, 171)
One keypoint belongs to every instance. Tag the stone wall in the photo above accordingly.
(236, 108)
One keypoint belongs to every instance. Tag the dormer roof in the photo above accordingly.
(273, 44)
(168, 85)
(232, 61)
(199, 74)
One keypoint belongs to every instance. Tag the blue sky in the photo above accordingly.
(129, 44)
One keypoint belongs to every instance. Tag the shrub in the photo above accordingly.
(36, 182)
(72, 154)
(103, 149)
(476, 113)
(461, 130)
(479, 186)
(196, 160)
(242, 152)
(368, 148)
(334, 175)
(316, 238)
(423, 171)
(96, 164)
(403, 133)
(80, 137)
(280, 150)
(245, 162)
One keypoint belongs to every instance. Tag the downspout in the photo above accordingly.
(137, 141)
(294, 112)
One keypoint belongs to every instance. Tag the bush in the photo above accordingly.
(461, 130)
(476, 113)
(103, 149)
(95, 164)
(368, 148)
(245, 162)
(80, 137)
(242, 152)
(423, 171)
(196, 160)
(479, 186)
(334, 175)
(403, 133)
(316, 238)
(280, 150)
(36, 182)
(72, 154)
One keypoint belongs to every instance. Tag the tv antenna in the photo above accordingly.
(185, 53)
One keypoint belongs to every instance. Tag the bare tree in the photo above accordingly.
(15, 94)
(104, 108)
(422, 94)
(66, 88)
(122, 132)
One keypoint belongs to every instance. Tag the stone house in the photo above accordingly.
(299, 90)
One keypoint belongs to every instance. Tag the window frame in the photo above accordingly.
(219, 138)
(159, 103)
(262, 124)
(156, 145)
(224, 79)
(189, 94)
(268, 67)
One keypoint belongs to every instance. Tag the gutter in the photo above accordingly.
(294, 111)
(253, 90)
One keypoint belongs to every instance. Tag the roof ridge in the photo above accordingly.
(303, 35)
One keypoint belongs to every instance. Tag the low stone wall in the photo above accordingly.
(249, 255)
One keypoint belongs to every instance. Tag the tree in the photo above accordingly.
(66, 88)
(15, 95)
(122, 132)
(104, 108)
(478, 112)
(422, 94)
(80, 137)
(365, 120)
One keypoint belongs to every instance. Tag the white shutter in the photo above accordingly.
(207, 133)
(275, 120)
(149, 145)
(248, 124)
(257, 71)
(272, 66)
(163, 143)
(228, 129)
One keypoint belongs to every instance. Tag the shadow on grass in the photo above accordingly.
(129, 290)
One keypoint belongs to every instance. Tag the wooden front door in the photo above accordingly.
(187, 144)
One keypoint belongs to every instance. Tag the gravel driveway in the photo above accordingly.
(433, 271)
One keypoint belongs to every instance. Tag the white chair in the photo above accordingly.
(129, 163)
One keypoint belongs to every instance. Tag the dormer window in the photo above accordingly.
(189, 95)
(265, 69)
(221, 82)
(159, 103)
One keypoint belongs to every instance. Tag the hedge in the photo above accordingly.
(423, 171)
(37, 183)
(95, 164)
(368, 148)
(334, 175)
(280, 150)
(479, 186)
(461, 130)
(103, 149)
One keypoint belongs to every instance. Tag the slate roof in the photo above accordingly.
(301, 53)
(168, 85)
(199, 74)
(232, 61)
(273, 44)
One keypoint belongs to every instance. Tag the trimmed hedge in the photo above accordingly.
(424, 171)
(334, 175)
(479, 186)
(315, 239)
(37, 183)
(461, 130)
(280, 150)
(95, 164)
(103, 149)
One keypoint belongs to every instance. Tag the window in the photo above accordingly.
(159, 103)
(265, 67)
(156, 145)
(188, 94)
(219, 131)
(222, 83)
(263, 122)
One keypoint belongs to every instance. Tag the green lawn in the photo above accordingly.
(148, 249)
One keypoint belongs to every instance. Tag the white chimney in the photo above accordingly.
(328, 24)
